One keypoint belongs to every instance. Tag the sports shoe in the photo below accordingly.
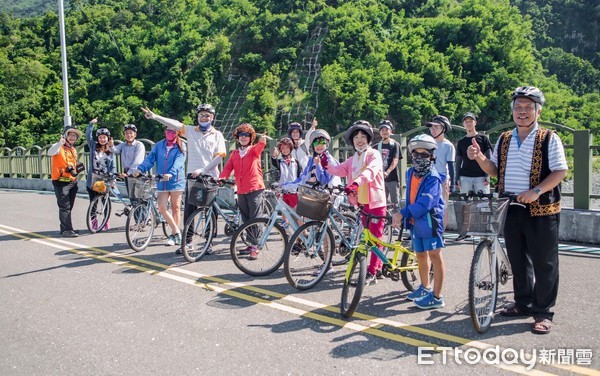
(371, 279)
(209, 250)
(429, 301)
(69, 234)
(380, 275)
(106, 226)
(171, 240)
(178, 239)
(462, 237)
(318, 271)
(94, 223)
(254, 254)
(246, 251)
(418, 293)
(296, 249)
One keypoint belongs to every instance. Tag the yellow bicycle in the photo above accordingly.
(356, 273)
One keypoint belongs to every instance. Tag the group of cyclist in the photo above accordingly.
(371, 181)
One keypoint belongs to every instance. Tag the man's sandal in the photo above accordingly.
(541, 326)
(513, 310)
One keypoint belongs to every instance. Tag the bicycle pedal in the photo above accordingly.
(118, 214)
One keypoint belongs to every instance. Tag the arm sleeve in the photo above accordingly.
(148, 162)
(169, 123)
(425, 201)
(457, 168)
(451, 171)
(275, 162)
(227, 169)
(371, 169)
(54, 149)
(89, 131)
(221, 148)
(116, 149)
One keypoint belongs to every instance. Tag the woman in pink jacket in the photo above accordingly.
(366, 184)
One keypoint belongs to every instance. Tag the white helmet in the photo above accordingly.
(319, 133)
(422, 141)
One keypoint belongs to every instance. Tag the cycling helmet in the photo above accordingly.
(245, 127)
(362, 125)
(469, 115)
(205, 107)
(129, 126)
(103, 131)
(422, 141)
(529, 92)
(441, 120)
(285, 141)
(70, 129)
(319, 133)
(387, 124)
(293, 126)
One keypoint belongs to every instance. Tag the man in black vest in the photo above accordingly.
(529, 161)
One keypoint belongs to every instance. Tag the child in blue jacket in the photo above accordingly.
(423, 215)
(168, 155)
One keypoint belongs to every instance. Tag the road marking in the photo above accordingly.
(373, 328)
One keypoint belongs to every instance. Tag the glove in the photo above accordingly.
(351, 189)
(324, 161)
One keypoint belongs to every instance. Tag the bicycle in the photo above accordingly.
(308, 256)
(212, 202)
(356, 272)
(484, 217)
(145, 216)
(99, 210)
(267, 236)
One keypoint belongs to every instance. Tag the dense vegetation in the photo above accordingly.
(405, 60)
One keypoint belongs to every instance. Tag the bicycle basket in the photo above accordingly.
(201, 193)
(313, 204)
(98, 184)
(139, 189)
(228, 196)
(485, 216)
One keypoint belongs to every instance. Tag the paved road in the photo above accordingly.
(92, 306)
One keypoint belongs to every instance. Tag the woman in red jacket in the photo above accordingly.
(245, 164)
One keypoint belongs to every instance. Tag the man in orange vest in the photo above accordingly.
(64, 177)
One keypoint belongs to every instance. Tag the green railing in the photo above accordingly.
(34, 163)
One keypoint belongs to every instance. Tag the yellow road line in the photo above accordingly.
(107, 256)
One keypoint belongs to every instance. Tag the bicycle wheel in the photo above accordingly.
(308, 255)
(265, 254)
(354, 283)
(198, 234)
(342, 253)
(139, 227)
(98, 213)
(483, 286)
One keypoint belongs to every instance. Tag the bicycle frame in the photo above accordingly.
(282, 209)
(350, 242)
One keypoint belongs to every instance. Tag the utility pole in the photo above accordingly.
(63, 54)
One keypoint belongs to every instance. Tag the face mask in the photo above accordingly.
(422, 166)
(204, 125)
(362, 150)
(170, 136)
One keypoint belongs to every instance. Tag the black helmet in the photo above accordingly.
(103, 131)
(205, 107)
(386, 124)
(529, 92)
(440, 120)
(362, 125)
(129, 126)
(293, 126)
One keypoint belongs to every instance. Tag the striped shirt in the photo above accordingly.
(520, 154)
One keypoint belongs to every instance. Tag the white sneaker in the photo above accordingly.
(171, 240)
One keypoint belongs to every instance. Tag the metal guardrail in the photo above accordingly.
(34, 163)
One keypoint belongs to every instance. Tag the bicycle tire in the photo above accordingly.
(305, 265)
(354, 283)
(342, 254)
(411, 278)
(194, 246)
(483, 286)
(98, 213)
(269, 255)
(139, 227)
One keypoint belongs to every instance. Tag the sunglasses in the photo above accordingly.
(416, 154)
(321, 141)
(204, 115)
(244, 134)
(170, 131)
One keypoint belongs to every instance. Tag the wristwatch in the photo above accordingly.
(537, 190)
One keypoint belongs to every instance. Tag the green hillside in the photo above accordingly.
(270, 62)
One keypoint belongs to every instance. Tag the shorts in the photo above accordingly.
(291, 199)
(426, 244)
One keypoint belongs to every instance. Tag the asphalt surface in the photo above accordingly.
(91, 306)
